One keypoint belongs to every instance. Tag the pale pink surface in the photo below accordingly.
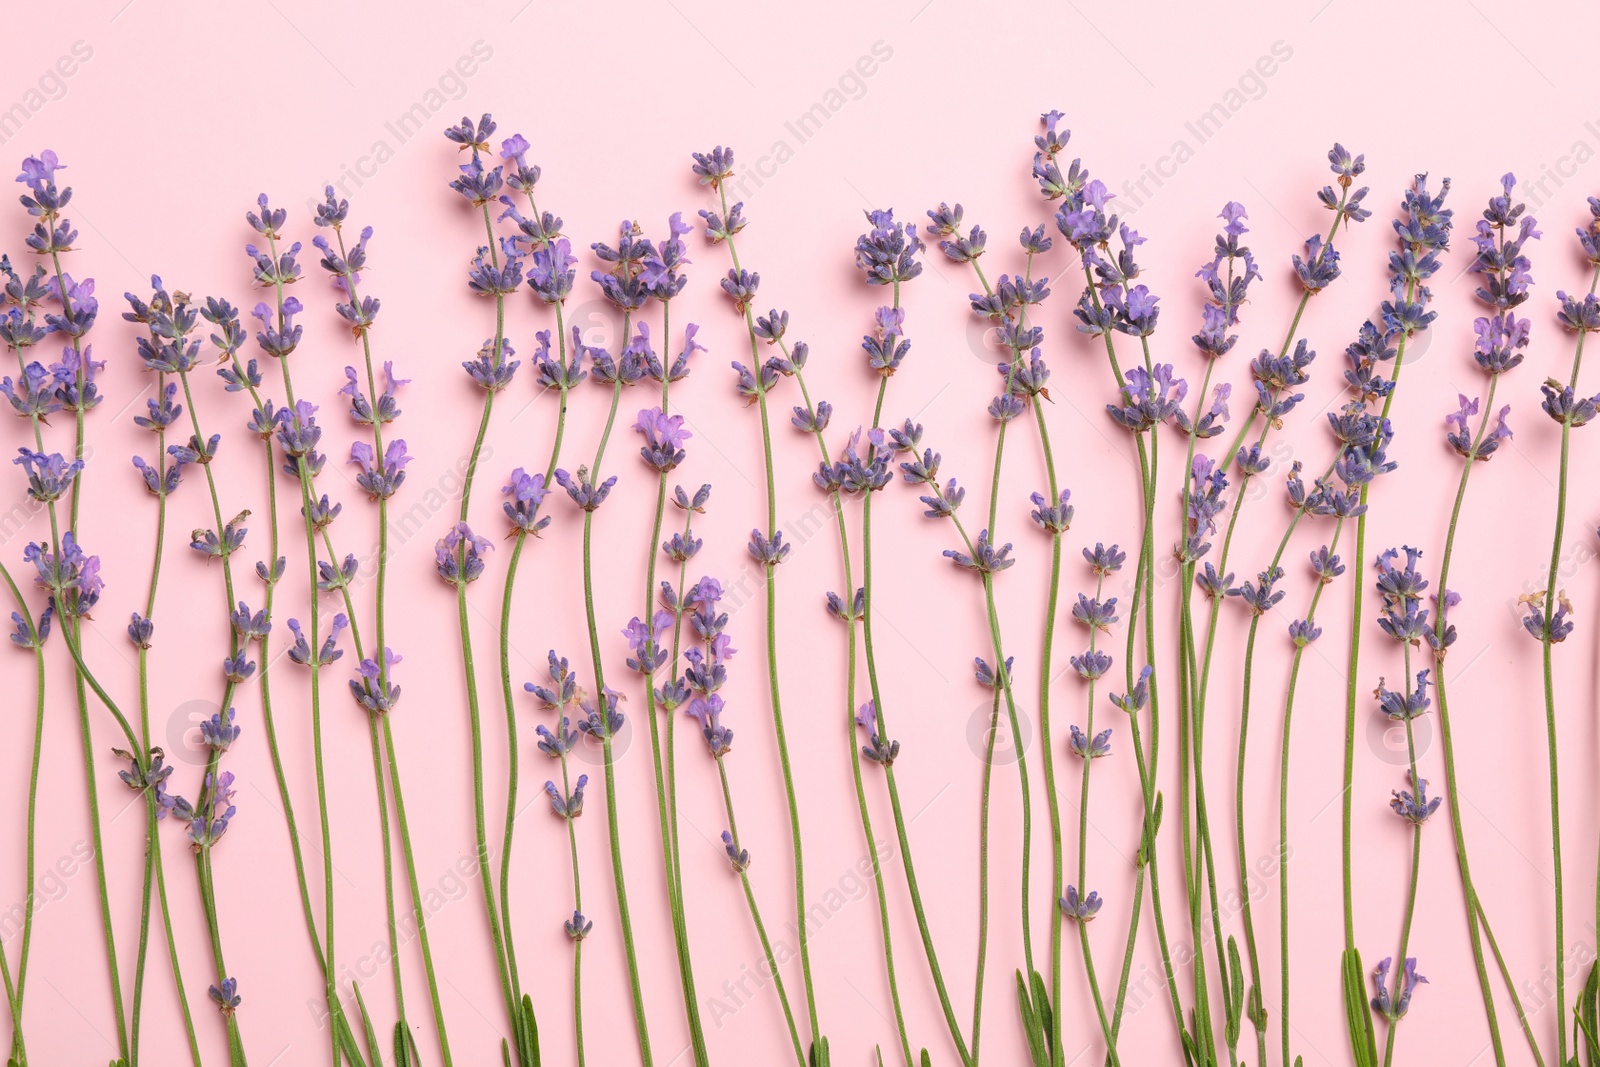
(175, 123)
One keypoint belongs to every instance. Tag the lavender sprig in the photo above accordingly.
(496, 272)
(1024, 373)
(705, 676)
(662, 450)
(622, 284)
(559, 696)
(767, 547)
(1103, 310)
(73, 388)
(1501, 239)
(1547, 612)
(382, 474)
(1423, 229)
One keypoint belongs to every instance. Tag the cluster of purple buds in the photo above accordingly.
(26, 635)
(630, 368)
(363, 409)
(1052, 516)
(858, 469)
(380, 480)
(564, 682)
(1460, 436)
(664, 436)
(1395, 1008)
(887, 253)
(567, 805)
(887, 345)
(301, 653)
(1087, 748)
(1275, 377)
(560, 372)
(493, 368)
(1227, 278)
(169, 320)
(878, 748)
(1136, 698)
(1206, 484)
(1424, 231)
(458, 555)
(1080, 908)
(1400, 589)
(584, 493)
(478, 184)
(1149, 398)
(1261, 595)
(623, 285)
(1404, 705)
(644, 641)
(601, 720)
(707, 670)
(1416, 808)
(1320, 266)
(71, 576)
(1212, 419)
(768, 551)
(208, 821)
(525, 494)
(152, 775)
(738, 858)
(50, 475)
(52, 233)
(985, 558)
(219, 732)
(214, 545)
(373, 686)
(1094, 613)
(226, 996)
(990, 678)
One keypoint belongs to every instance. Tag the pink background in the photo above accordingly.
(176, 121)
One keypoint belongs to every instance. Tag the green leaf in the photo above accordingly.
(1044, 1011)
(819, 1053)
(1233, 974)
(1030, 1025)
(528, 1034)
(375, 1054)
(1588, 1016)
(926, 1060)
(405, 1047)
(1363, 1043)
(505, 1053)
(1258, 1010)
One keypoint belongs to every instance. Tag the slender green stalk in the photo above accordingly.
(1083, 850)
(755, 917)
(675, 908)
(1416, 865)
(818, 1043)
(603, 715)
(1548, 606)
(15, 993)
(510, 986)
(1283, 803)
(1144, 581)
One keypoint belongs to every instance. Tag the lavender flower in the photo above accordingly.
(458, 555)
(1080, 909)
(877, 748)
